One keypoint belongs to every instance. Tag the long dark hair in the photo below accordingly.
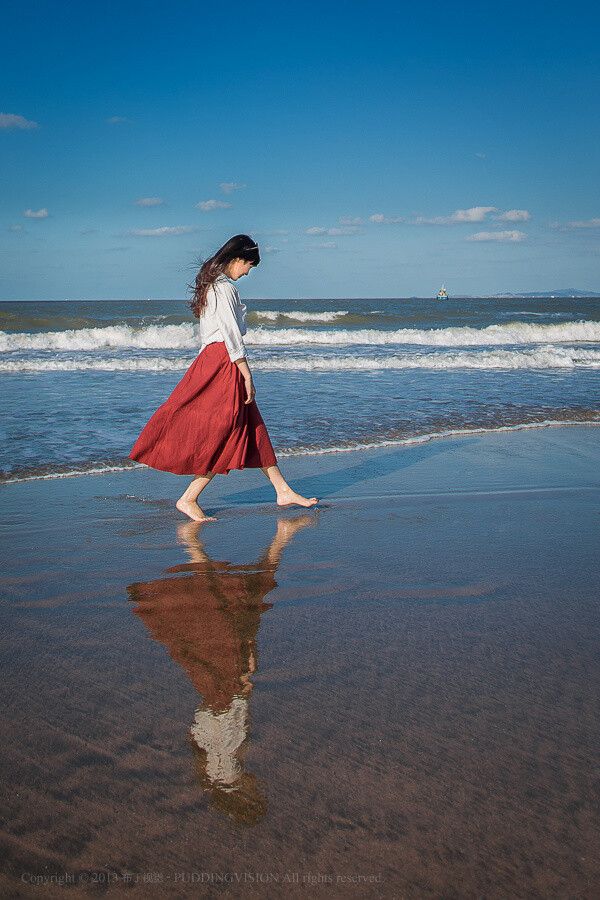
(238, 247)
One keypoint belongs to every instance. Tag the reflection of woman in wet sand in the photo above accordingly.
(208, 620)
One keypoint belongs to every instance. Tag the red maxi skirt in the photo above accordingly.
(205, 425)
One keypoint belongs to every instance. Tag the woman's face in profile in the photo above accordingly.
(237, 268)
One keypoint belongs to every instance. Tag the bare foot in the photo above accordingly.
(289, 497)
(191, 509)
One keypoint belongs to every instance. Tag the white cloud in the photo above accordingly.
(86, 230)
(461, 216)
(511, 237)
(164, 231)
(267, 233)
(148, 201)
(207, 205)
(229, 186)
(480, 155)
(350, 220)
(270, 250)
(585, 223)
(8, 121)
(326, 245)
(514, 215)
(114, 120)
(335, 231)
(16, 228)
(36, 214)
(380, 219)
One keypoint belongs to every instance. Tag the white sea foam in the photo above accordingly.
(185, 336)
(549, 357)
(545, 357)
(84, 364)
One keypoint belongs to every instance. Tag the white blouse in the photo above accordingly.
(223, 318)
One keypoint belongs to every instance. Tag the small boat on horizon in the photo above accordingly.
(442, 293)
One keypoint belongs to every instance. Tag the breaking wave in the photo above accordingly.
(548, 357)
(185, 336)
(274, 315)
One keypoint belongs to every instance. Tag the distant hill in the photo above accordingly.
(565, 292)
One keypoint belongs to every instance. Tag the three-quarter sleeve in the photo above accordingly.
(227, 319)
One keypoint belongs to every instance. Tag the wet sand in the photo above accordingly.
(395, 695)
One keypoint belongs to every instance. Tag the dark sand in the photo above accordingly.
(425, 715)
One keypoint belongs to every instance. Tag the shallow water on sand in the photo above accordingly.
(402, 689)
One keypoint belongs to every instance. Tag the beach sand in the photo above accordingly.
(425, 716)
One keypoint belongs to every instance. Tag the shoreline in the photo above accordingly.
(292, 454)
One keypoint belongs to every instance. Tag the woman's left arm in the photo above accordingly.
(225, 314)
(244, 368)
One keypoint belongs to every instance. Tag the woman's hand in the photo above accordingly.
(250, 392)
(247, 376)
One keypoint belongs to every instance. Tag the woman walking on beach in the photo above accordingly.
(211, 424)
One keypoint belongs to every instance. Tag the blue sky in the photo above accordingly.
(372, 149)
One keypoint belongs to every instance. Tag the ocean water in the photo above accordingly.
(80, 379)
